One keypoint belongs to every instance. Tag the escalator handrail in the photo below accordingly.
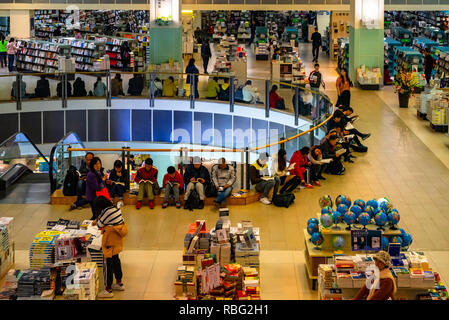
(52, 154)
(30, 141)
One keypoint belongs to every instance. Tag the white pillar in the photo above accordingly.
(20, 23)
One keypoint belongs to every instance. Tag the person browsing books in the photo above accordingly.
(260, 178)
(223, 176)
(196, 177)
(173, 184)
(113, 228)
(146, 177)
(117, 180)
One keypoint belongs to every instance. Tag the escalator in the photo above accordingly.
(24, 172)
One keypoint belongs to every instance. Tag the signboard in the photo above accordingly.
(366, 240)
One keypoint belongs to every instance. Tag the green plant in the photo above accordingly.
(405, 82)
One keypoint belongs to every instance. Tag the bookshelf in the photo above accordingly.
(38, 56)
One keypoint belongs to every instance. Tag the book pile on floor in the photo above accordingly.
(6, 245)
(414, 277)
(86, 283)
(221, 263)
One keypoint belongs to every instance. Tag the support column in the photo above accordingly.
(366, 35)
(20, 23)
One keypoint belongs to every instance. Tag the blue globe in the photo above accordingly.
(381, 203)
(317, 238)
(385, 243)
(364, 218)
(394, 217)
(356, 210)
(325, 201)
(350, 218)
(370, 211)
(347, 201)
(342, 208)
(326, 220)
(406, 240)
(381, 219)
(326, 210)
(396, 239)
(402, 231)
(338, 242)
(340, 199)
(312, 220)
(360, 203)
(372, 203)
(337, 216)
(312, 228)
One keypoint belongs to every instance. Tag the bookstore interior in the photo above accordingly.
(220, 253)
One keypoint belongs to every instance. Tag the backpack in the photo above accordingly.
(70, 182)
(283, 200)
(193, 201)
(223, 94)
(210, 189)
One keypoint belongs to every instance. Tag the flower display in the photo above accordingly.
(406, 82)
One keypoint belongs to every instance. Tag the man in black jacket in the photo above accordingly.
(328, 148)
(135, 85)
(205, 54)
(42, 88)
(196, 177)
(316, 44)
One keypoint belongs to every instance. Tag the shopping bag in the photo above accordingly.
(103, 192)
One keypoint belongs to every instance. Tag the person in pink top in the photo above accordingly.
(11, 50)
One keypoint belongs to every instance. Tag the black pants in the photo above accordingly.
(344, 99)
(112, 267)
(428, 76)
(316, 171)
(335, 166)
(205, 63)
(94, 215)
(315, 52)
(291, 185)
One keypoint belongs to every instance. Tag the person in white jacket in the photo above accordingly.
(279, 167)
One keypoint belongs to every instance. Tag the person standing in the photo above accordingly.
(253, 33)
(191, 69)
(78, 34)
(3, 44)
(305, 30)
(206, 54)
(11, 50)
(344, 85)
(316, 81)
(125, 54)
(429, 64)
(316, 44)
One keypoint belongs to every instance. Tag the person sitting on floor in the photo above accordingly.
(81, 185)
(212, 88)
(169, 87)
(260, 178)
(99, 88)
(79, 88)
(302, 164)
(15, 89)
(349, 117)
(279, 168)
(275, 100)
(42, 88)
(157, 87)
(223, 176)
(146, 177)
(173, 183)
(117, 86)
(117, 180)
(249, 93)
(223, 93)
(196, 177)
(317, 168)
(135, 85)
(328, 148)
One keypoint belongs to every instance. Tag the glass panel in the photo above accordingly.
(6, 84)
(39, 86)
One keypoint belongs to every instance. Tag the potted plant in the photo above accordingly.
(405, 84)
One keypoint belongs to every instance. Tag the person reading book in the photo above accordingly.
(146, 177)
(173, 184)
(196, 177)
(318, 163)
(116, 183)
(81, 186)
(223, 176)
(328, 148)
(260, 178)
(95, 181)
(302, 164)
(113, 228)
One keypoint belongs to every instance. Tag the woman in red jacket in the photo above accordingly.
(275, 100)
(302, 162)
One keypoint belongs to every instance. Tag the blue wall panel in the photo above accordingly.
(182, 126)
(30, 123)
(223, 130)
(242, 132)
(162, 122)
(203, 128)
(260, 133)
(9, 124)
(98, 125)
(141, 128)
(120, 124)
(75, 121)
(53, 126)
(291, 146)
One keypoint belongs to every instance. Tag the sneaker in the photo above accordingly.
(366, 136)
(316, 183)
(151, 204)
(265, 200)
(72, 207)
(185, 205)
(201, 205)
(301, 186)
(165, 205)
(105, 294)
(308, 186)
(120, 204)
(178, 205)
(118, 287)
(138, 205)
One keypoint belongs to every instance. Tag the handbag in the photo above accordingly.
(103, 192)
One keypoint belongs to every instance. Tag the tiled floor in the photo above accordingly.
(406, 162)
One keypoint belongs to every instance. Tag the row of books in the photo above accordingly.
(39, 53)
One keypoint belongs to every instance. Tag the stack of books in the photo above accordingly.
(248, 257)
(185, 284)
(344, 279)
(416, 277)
(42, 250)
(362, 261)
(87, 278)
(32, 283)
(326, 276)
(402, 275)
(358, 279)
